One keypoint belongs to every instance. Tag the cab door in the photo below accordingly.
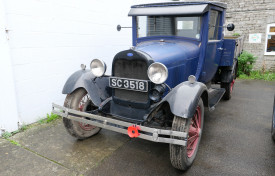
(214, 47)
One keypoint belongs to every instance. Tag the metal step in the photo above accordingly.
(214, 96)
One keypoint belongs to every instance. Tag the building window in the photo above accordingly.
(270, 40)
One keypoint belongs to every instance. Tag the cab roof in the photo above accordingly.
(174, 8)
(181, 3)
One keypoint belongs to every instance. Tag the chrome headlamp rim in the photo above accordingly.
(104, 67)
(165, 69)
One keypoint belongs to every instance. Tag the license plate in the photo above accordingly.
(129, 84)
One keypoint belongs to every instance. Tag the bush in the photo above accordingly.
(245, 64)
(236, 34)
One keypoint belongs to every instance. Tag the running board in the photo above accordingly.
(151, 134)
(214, 97)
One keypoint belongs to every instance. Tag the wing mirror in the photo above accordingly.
(118, 28)
(230, 27)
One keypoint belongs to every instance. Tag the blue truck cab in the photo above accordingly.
(160, 88)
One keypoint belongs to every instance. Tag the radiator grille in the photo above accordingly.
(135, 69)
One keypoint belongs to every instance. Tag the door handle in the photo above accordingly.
(220, 48)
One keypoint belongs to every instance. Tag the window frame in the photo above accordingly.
(135, 22)
(266, 39)
(219, 21)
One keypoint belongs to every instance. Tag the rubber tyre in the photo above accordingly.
(72, 101)
(178, 154)
(227, 94)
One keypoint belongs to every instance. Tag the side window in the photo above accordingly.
(214, 24)
(188, 27)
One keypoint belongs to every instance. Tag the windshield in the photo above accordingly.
(168, 26)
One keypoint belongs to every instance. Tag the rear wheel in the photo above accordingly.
(79, 100)
(182, 157)
(228, 89)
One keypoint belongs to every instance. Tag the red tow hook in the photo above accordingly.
(133, 131)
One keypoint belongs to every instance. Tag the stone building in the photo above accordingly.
(255, 20)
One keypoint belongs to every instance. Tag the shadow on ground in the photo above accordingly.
(236, 141)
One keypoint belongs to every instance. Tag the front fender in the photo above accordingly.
(184, 98)
(97, 88)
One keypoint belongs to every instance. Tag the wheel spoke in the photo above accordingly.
(193, 138)
(83, 107)
(197, 120)
(192, 131)
(190, 142)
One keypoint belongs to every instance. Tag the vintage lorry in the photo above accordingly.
(160, 88)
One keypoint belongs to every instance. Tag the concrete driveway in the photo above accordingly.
(236, 141)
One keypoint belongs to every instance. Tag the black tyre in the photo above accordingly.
(273, 122)
(228, 89)
(182, 157)
(79, 100)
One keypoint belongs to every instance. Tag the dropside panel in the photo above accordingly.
(228, 52)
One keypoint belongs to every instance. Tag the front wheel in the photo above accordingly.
(79, 100)
(182, 157)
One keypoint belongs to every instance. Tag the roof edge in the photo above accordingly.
(180, 3)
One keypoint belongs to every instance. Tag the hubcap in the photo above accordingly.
(85, 105)
(194, 133)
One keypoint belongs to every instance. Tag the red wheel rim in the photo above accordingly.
(83, 107)
(194, 133)
(232, 85)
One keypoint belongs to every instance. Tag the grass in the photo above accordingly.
(14, 142)
(6, 135)
(50, 118)
(258, 75)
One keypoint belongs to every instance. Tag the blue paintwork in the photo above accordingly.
(204, 38)
(212, 53)
(179, 56)
(212, 60)
(130, 54)
(228, 52)
(198, 57)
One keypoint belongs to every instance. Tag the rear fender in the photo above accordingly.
(226, 76)
(97, 88)
(184, 98)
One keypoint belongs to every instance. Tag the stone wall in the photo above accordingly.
(250, 17)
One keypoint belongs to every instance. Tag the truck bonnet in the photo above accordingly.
(170, 53)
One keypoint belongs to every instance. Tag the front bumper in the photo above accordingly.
(151, 134)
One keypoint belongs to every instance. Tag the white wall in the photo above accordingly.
(49, 39)
(8, 106)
